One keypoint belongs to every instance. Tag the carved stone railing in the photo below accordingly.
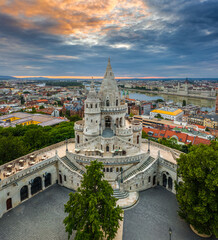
(108, 160)
(137, 127)
(123, 131)
(114, 108)
(27, 171)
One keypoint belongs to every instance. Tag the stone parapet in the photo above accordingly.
(28, 171)
(108, 160)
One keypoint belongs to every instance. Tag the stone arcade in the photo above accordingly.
(130, 163)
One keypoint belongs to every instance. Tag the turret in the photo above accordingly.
(92, 114)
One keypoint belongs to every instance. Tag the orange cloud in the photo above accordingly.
(75, 17)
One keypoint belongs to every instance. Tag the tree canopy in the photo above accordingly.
(198, 193)
(92, 210)
(21, 140)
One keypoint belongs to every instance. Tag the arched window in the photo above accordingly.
(96, 105)
(111, 169)
(77, 139)
(164, 180)
(36, 185)
(117, 102)
(154, 180)
(149, 179)
(121, 169)
(23, 193)
(87, 105)
(107, 148)
(107, 169)
(117, 169)
(91, 105)
(103, 169)
(138, 139)
(47, 179)
(170, 183)
(60, 178)
(107, 103)
(9, 203)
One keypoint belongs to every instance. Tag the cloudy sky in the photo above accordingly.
(143, 38)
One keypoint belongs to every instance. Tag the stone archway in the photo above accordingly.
(36, 185)
(24, 193)
(108, 121)
(170, 183)
(9, 203)
(47, 179)
(164, 180)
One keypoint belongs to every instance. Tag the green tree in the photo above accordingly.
(41, 107)
(75, 118)
(92, 210)
(158, 116)
(11, 148)
(144, 134)
(198, 193)
(184, 103)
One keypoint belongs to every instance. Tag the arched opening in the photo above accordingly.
(117, 102)
(36, 185)
(23, 193)
(96, 105)
(117, 169)
(107, 103)
(121, 169)
(60, 179)
(9, 203)
(120, 122)
(47, 179)
(77, 139)
(154, 180)
(103, 169)
(170, 183)
(164, 180)
(91, 105)
(111, 169)
(138, 139)
(107, 169)
(107, 148)
(108, 122)
(149, 179)
(117, 122)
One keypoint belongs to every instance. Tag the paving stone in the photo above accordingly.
(152, 217)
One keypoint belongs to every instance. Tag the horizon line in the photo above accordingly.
(89, 77)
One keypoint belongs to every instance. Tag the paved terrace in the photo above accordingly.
(41, 217)
(31, 159)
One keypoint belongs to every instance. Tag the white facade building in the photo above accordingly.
(129, 164)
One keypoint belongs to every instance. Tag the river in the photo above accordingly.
(205, 104)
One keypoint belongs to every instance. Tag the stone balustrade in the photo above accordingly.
(78, 127)
(137, 127)
(27, 171)
(123, 131)
(108, 160)
(114, 108)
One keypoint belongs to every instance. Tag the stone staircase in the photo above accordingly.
(140, 169)
(120, 194)
(67, 161)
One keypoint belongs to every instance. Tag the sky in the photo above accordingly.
(143, 38)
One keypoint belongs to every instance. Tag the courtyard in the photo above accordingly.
(41, 217)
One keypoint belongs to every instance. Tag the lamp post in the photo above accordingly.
(66, 144)
(170, 232)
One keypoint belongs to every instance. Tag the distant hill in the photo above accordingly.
(6, 78)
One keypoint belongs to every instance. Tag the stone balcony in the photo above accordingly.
(120, 108)
(136, 126)
(79, 125)
(124, 131)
